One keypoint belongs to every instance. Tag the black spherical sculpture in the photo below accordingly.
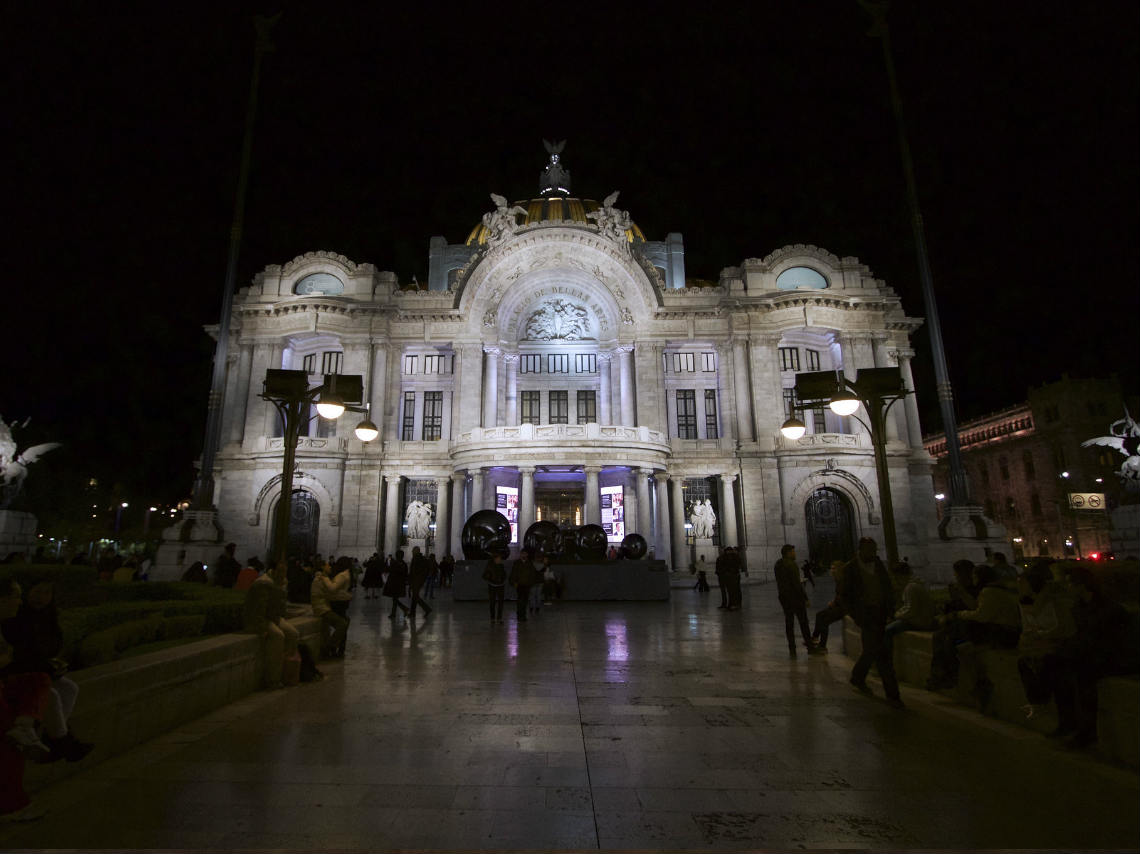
(590, 542)
(486, 532)
(634, 547)
(544, 538)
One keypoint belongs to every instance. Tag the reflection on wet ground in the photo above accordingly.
(613, 725)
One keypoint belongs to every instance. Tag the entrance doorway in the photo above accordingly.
(304, 525)
(562, 504)
(830, 527)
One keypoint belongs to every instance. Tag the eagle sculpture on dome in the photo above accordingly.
(554, 178)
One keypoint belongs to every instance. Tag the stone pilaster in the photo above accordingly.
(605, 390)
(661, 529)
(442, 516)
(459, 512)
(392, 514)
(491, 387)
(644, 524)
(512, 362)
(625, 366)
(728, 531)
(526, 499)
(680, 553)
(593, 496)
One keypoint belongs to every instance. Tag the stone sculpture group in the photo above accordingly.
(703, 518)
(418, 516)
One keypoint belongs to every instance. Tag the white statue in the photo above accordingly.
(612, 222)
(418, 516)
(702, 517)
(14, 464)
(501, 222)
(1126, 439)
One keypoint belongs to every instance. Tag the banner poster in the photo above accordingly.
(613, 513)
(507, 503)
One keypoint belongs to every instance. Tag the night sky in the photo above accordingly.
(744, 129)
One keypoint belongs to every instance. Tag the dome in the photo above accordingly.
(552, 210)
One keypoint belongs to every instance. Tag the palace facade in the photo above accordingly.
(559, 365)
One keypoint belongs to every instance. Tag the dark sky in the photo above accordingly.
(744, 129)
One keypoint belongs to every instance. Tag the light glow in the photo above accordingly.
(366, 431)
(793, 428)
(330, 406)
(845, 404)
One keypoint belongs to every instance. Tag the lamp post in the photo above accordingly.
(877, 389)
(119, 517)
(291, 396)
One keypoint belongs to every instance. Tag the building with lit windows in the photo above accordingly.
(559, 365)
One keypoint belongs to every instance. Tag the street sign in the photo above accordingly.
(1086, 501)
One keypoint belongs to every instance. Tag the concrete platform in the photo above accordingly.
(650, 726)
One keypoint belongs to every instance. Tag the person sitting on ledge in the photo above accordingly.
(264, 615)
(917, 611)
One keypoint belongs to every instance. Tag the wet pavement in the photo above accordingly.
(594, 725)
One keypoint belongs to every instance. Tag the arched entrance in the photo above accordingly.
(304, 524)
(830, 527)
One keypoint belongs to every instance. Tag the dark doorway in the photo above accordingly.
(304, 524)
(830, 527)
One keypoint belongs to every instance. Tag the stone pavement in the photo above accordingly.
(596, 725)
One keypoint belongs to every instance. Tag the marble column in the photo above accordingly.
(847, 348)
(727, 511)
(664, 544)
(237, 399)
(442, 517)
(910, 402)
(526, 499)
(459, 512)
(255, 409)
(593, 496)
(378, 388)
(882, 357)
(625, 362)
(644, 523)
(512, 360)
(392, 515)
(680, 553)
(478, 500)
(605, 391)
(491, 387)
(743, 393)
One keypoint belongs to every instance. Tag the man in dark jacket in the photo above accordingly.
(867, 595)
(417, 575)
(226, 567)
(792, 598)
(523, 576)
(728, 568)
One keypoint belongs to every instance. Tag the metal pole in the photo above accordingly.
(291, 412)
(959, 483)
(874, 407)
(204, 486)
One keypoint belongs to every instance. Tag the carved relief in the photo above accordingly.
(558, 320)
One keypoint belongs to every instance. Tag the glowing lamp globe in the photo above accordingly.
(793, 428)
(366, 431)
(844, 405)
(330, 406)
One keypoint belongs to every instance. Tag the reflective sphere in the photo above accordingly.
(634, 547)
(590, 542)
(486, 532)
(544, 538)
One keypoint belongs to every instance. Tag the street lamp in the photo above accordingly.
(291, 396)
(877, 389)
(119, 517)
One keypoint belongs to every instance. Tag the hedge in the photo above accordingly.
(108, 644)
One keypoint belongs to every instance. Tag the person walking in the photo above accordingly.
(793, 599)
(373, 576)
(523, 577)
(729, 570)
(495, 574)
(870, 600)
(421, 569)
(396, 583)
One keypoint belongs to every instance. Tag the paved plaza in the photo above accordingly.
(595, 725)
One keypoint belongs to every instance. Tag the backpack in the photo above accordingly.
(309, 672)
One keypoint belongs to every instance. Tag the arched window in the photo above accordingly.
(800, 277)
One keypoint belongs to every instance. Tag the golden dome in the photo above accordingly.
(552, 210)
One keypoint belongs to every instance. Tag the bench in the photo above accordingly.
(1118, 697)
(125, 703)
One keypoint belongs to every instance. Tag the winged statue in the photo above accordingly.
(14, 463)
(502, 221)
(1124, 437)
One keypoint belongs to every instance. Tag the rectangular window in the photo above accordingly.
(408, 431)
(331, 362)
(529, 407)
(684, 362)
(531, 364)
(558, 363)
(433, 364)
(789, 358)
(686, 414)
(708, 361)
(433, 414)
(409, 364)
(819, 417)
(587, 407)
(812, 360)
(789, 402)
(586, 363)
(710, 413)
(309, 363)
(559, 407)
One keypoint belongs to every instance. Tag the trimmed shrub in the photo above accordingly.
(103, 646)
